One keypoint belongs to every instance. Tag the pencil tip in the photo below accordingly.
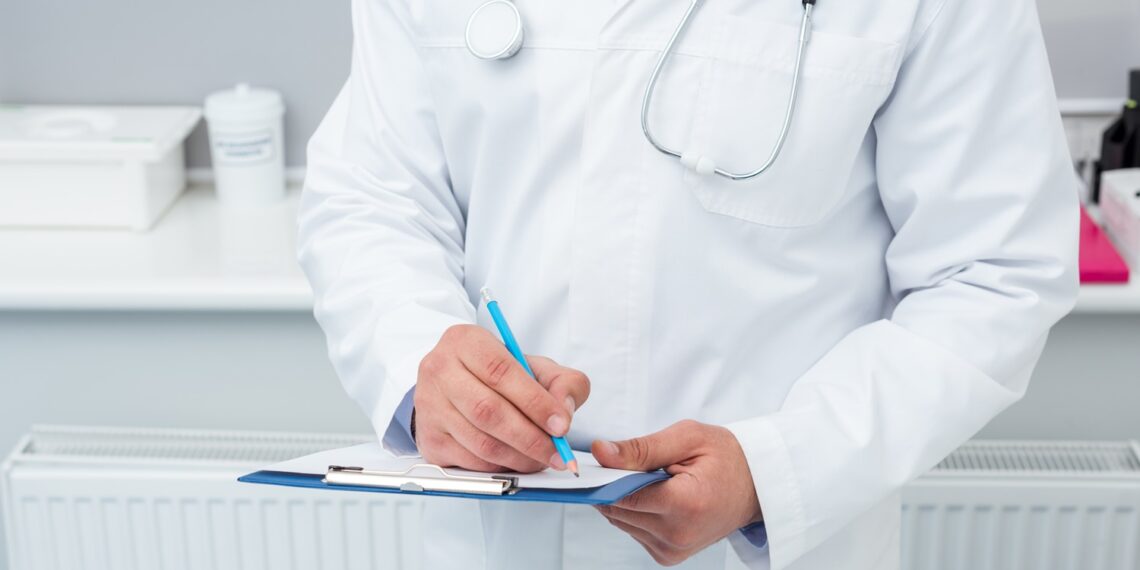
(573, 467)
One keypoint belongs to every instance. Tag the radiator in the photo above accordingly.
(135, 499)
(1005, 505)
(130, 499)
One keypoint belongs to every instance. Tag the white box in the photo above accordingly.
(110, 167)
(1120, 208)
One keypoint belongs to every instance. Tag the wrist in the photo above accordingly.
(757, 516)
(754, 513)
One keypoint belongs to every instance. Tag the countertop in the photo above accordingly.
(203, 257)
(197, 257)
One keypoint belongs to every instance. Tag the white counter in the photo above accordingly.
(197, 257)
(201, 257)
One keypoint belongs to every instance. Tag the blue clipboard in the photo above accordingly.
(604, 495)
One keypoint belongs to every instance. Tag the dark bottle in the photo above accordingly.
(1120, 146)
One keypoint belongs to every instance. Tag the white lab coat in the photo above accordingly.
(852, 315)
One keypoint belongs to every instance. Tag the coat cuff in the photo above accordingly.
(385, 415)
(779, 494)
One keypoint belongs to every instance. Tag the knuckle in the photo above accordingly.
(687, 425)
(489, 448)
(486, 412)
(639, 450)
(455, 333)
(496, 370)
(431, 365)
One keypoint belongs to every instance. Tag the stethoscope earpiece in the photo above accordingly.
(495, 30)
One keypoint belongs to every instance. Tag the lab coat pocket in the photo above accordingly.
(741, 108)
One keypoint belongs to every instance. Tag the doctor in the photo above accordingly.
(793, 346)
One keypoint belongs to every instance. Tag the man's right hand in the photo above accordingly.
(476, 408)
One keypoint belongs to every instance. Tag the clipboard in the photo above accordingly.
(424, 479)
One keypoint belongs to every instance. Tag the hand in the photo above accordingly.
(476, 408)
(710, 495)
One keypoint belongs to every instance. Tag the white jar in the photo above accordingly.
(246, 144)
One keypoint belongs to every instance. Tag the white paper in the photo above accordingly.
(372, 457)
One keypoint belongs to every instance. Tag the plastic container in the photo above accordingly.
(103, 167)
(1120, 207)
(247, 145)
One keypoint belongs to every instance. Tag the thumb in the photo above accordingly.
(669, 446)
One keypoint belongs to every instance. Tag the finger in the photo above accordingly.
(671, 445)
(444, 451)
(660, 551)
(487, 447)
(493, 415)
(653, 499)
(569, 386)
(647, 521)
(491, 362)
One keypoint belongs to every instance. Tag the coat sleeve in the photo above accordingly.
(975, 178)
(380, 231)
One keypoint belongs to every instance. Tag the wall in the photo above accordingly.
(177, 51)
(1092, 45)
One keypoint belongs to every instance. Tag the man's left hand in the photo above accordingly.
(710, 495)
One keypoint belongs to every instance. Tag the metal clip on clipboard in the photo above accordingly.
(420, 478)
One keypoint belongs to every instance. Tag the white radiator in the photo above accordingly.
(131, 499)
(102, 498)
(1009, 505)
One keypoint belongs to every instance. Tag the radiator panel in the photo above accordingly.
(940, 535)
(212, 523)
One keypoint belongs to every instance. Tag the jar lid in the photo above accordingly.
(244, 103)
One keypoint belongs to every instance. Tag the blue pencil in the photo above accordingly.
(560, 444)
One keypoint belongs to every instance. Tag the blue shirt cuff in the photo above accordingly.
(403, 415)
(756, 534)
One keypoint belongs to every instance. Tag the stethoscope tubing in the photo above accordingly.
(697, 162)
(789, 108)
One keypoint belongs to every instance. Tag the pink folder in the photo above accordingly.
(1099, 262)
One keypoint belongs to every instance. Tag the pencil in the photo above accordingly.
(560, 443)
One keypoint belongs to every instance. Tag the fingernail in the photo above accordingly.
(611, 447)
(556, 462)
(569, 404)
(556, 425)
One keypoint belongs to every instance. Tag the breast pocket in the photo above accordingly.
(741, 108)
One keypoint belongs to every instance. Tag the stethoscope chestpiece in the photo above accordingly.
(495, 30)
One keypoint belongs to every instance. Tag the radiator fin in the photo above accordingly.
(183, 445)
(1043, 457)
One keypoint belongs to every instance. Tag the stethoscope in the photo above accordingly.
(495, 31)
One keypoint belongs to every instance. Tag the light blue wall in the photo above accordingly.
(177, 51)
